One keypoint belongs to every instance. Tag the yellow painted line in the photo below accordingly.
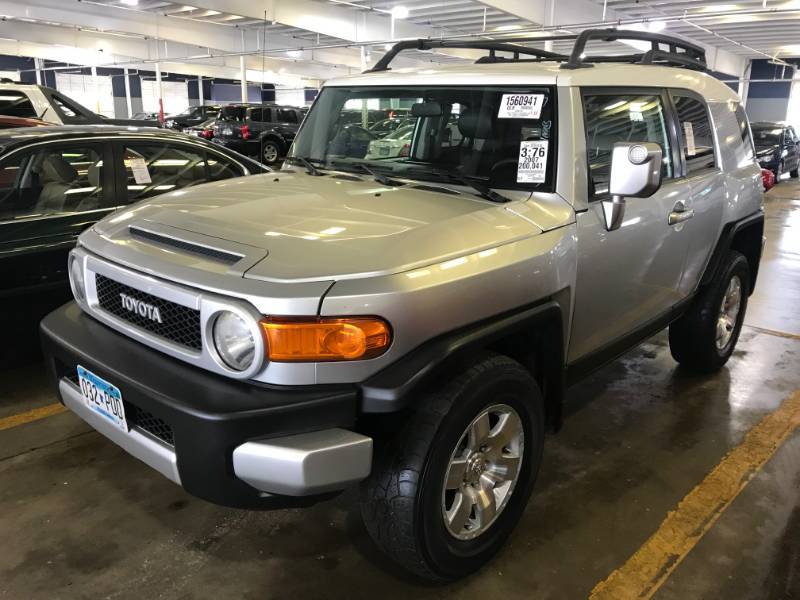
(31, 415)
(783, 334)
(651, 565)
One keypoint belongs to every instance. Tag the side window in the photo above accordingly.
(744, 132)
(221, 168)
(154, 169)
(696, 133)
(612, 118)
(286, 115)
(51, 180)
(16, 104)
(256, 114)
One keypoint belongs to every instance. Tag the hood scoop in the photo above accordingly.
(225, 256)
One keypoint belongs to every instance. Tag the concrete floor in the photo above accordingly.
(81, 519)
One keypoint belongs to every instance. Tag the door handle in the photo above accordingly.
(680, 213)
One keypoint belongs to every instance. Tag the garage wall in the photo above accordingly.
(768, 92)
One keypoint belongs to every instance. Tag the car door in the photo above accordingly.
(700, 163)
(148, 167)
(629, 277)
(792, 149)
(49, 193)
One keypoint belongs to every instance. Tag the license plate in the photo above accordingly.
(194, 133)
(383, 151)
(102, 397)
(227, 131)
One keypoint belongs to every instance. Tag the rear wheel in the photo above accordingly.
(270, 152)
(794, 173)
(447, 491)
(704, 338)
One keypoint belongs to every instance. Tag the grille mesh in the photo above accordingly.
(179, 324)
(150, 423)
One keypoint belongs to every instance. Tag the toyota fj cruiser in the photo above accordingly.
(412, 322)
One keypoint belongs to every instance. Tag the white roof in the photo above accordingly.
(548, 73)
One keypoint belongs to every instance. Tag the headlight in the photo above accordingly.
(233, 340)
(785, 153)
(76, 278)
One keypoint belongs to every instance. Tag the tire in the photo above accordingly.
(403, 502)
(270, 152)
(778, 172)
(794, 173)
(695, 339)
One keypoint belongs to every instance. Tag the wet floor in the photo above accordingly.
(81, 519)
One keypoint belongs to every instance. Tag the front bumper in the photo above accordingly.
(230, 442)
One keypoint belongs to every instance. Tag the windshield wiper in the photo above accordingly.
(484, 191)
(379, 177)
(312, 170)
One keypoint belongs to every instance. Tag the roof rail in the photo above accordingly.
(691, 56)
(679, 53)
(491, 45)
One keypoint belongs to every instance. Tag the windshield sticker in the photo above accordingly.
(532, 161)
(688, 133)
(521, 106)
(140, 172)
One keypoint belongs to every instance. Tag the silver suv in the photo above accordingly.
(411, 322)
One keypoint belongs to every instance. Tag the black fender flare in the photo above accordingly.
(752, 224)
(394, 388)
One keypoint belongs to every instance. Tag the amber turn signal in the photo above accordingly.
(322, 339)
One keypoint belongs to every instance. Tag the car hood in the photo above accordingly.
(296, 227)
(764, 151)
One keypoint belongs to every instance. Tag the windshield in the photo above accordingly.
(502, 136)
(767, 137)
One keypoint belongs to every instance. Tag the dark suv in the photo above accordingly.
(264, 131)
(777, 148)
(194, 115)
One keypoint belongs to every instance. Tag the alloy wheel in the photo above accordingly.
(728, 313)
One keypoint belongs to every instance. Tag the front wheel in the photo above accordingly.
(447, 491)
(704, 338)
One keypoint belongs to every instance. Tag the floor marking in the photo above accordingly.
(650, 566)
(31, 415)
(783, 334)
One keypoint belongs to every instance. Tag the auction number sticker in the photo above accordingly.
(532, 164)
(521, 106)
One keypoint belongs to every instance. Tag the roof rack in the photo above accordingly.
(677, 53)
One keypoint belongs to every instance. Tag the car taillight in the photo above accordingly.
(245, 132)
(404, 150)
(207, 133)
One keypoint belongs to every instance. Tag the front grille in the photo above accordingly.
(179, 324)
(150, 423)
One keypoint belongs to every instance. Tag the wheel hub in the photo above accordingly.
(483, 470)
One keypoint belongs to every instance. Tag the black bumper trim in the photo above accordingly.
(209, 415)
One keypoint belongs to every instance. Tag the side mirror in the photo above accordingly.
(635, 172)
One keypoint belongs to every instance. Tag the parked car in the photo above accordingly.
(41, 102)
(413, 324)
(777, 148)
(203, 130)
(192, 116)
(768, 178)
(56, 181)
(145, 116)
(397, 143)
(259, 130)
(387, 126)
(13, 122)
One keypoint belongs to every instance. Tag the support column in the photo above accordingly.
(38, 63)
(160, 94)
(550, 20)
(200, 90)
(96, 85)
(128, 93)
(243, 76)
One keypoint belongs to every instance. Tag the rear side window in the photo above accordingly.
(16, 104)
(286, 115)
(696, 133)
(622, 117)
(744, 132)
(151, 170)
(257, 115)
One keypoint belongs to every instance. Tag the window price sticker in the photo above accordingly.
(688, 133)
(521, 106)
(139, 169)
(532, 161)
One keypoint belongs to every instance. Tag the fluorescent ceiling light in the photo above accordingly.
(507, 27)
(719, 8)
(791, 49)
(129, 2)
(400, 12)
